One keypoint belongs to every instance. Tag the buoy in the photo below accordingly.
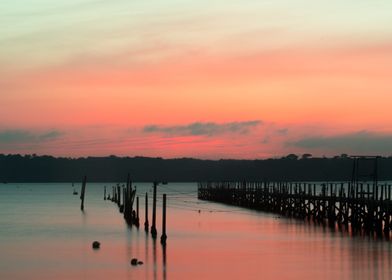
(96, 245)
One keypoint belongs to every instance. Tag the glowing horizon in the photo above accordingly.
(214, 80)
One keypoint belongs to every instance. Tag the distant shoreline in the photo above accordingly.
(35, 169)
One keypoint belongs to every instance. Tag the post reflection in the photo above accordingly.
(146, 255)
(154, 256)
(164, 266)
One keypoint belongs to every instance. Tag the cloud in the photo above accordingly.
(53, 134)
(359, 142)
(203, 129)
(15, 136)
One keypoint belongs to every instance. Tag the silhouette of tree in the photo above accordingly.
(18, 168)
(306, 156)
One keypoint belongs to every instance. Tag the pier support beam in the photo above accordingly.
(146, 224)
(164, 236)
(154, 210)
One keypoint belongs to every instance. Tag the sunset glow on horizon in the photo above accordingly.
(204, 79)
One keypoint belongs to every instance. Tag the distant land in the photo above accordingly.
(32, 168)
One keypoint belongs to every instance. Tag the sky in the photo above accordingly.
(206, 79)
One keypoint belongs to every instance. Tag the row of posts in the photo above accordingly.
(132, 216)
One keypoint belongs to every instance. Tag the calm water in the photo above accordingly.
(44, 235)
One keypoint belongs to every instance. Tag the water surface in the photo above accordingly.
(44, 235)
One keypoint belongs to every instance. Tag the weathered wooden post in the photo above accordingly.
(154, 210)
(126, 203)
(146, 225)
(137, 220)
(104, 194)
(129, 188)
(132, 192)
(164, 236)
(126, 198)
(128, 214)
(118, 196)
(82, 193)
(122, 206)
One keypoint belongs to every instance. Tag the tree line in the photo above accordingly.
(33, 168)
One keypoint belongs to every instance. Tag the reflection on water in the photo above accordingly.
(44, 235)
(154, 257)
(146, 254)
(164, 261)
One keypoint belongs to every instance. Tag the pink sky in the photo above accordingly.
(259, 88)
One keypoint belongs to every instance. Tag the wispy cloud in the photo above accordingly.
(359, 142)
(203, 128)
(15, 136)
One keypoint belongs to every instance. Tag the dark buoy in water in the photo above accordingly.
(134, 262)
(96, 245)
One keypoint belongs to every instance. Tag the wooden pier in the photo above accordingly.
(359, 206)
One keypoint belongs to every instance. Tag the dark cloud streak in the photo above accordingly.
(15, 136)
(360, 142)
(203, 129)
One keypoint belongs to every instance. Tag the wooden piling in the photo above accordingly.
(163, 236)
(126, 203)
(122, 205)
(146, 225)
(118, 196)
(82, 193)
(154, 210)
(137, 220)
